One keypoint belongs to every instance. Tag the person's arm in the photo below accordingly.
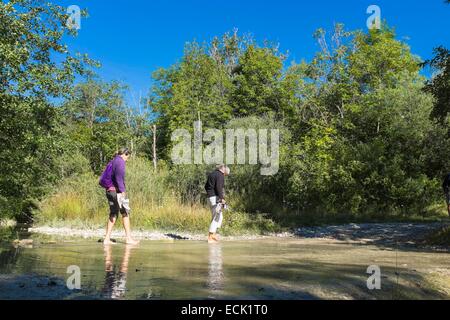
(220, 185)
(119, 175)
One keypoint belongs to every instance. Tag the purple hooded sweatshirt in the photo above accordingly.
(114, 175)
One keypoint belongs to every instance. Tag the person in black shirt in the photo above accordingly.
(446, 187)
(215, 189)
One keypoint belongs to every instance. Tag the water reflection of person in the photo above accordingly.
(215, 272)
(115, 281)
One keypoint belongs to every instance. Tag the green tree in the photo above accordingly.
(439, 84)
(256, 81)
(229, 77)
(31, 35)
(380, 165)
(195, 89)
(364, 125)
(97, 122)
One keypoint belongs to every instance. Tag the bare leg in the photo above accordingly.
(108, 259)
(126, 258)
(109, 227)
(215, 224)
(126, 226)
(212, 238)
(219, 224)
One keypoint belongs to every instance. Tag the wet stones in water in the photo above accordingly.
(176, 236)
(101, 240)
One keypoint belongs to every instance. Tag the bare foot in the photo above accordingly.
(108, 242)
(212, 240)
(132, 242)
(215, 237)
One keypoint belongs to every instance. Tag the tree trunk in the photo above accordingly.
(154, 147)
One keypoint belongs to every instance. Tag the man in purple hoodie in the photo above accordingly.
(113, 180)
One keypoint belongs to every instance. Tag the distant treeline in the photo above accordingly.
(362, 132)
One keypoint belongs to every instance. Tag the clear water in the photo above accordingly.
(256, 269)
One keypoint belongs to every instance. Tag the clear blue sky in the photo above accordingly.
(133, 38)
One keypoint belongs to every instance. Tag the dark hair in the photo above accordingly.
(124, 151)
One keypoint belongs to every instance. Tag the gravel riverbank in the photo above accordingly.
(145, 235)
(375, 233)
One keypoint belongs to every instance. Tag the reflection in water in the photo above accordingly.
(115, 282)
(215, 272)
(260, 269)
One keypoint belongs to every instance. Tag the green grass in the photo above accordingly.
(81, 203)
(7, 234)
